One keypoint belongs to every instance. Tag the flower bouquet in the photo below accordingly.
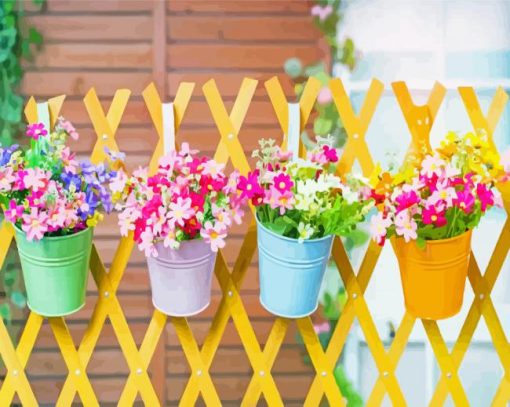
(300, 206)
(179, 218)
(54, 202)
(431, 208)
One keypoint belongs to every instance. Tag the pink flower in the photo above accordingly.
(324, 97)
(330, 153)
(485, 196)
(118, 183)
(185, 150)
(147, 243)
(14, 212)
(68, 160)
(36, 179)
(214, 235)
(379, 225)
(405, 226)
(322, 12)
(276, 199)
(67, 126)
(444, 194)
(321, 328)
(6, 179)
(222, 216)
(434, 215)
(213, 168)
(180, 211)
(35, 225)
(249, 186)
(20, 176)
(283, 155)
(282, 182)
(432, 165)
(126, 220)
(465, 200)
(406, 200)
(34, 199)
(36, 130)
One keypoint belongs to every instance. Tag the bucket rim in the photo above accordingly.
(438, 241)
(55, 238)
(290, 239)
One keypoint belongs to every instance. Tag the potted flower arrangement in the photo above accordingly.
(53, 201)
(179, 217)
(300, 206)
(431, 208)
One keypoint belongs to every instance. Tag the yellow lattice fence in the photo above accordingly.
(419, 119)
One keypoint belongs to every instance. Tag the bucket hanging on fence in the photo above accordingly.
(291, 272)
(434, 278)
(55, 270)
(181, 278)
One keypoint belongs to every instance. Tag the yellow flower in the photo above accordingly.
(94, 220)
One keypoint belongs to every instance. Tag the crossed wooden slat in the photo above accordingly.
(419, 119)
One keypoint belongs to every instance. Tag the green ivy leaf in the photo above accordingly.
(293, 67)
(34, 36)
(322, 126)
(5, 312)
(18, 299)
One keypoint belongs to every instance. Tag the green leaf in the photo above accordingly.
(322, 126)
(421, 243)
(34, 36)
(5, 312)
(18, 299)
(10, 278)
(293, 67)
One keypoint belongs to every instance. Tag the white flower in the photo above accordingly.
(305, 231)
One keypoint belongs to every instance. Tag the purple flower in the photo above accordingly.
(6, 153)
(71, 179)
(36, 130)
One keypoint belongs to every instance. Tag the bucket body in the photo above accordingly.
(55, 270)
(434, 278)
(291, 272)
(181, 279)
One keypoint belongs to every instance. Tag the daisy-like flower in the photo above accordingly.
(280, 200)
(305, 231)
(432, 165)
(170, 240)
(249, 186)
(214, 235)
(68, 160)
(146, 243)
(180, 211)
(282, 182)
(14, 212)
(213, 169)
(36, 130)
(36, 179)
(222, 216)
(443, 194)
(6, 179)
(405, 226)
(379, 225)
(465, 200)
(35, 224)
(434, 215)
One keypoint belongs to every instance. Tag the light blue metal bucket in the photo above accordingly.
(291, 273)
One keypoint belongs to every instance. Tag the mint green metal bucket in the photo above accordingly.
(55, 270)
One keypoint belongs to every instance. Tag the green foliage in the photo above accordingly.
(17, 42)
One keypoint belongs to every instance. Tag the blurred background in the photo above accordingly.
(53, 47)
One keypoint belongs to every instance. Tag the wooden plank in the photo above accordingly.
(96, 28)
(244, 7)
(275, 29)
(228, 82)
(80, 55)
(234, 361)
(231, 388)
(238, 56)
(93, 6)
(47, 84)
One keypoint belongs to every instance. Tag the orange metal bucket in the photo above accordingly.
(434, 277)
